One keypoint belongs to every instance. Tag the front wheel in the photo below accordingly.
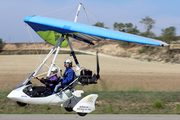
(21, 104)
(81, 114)
(68, 109)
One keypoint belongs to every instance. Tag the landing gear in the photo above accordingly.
(20, 104)
(81, 114)
(68, 109)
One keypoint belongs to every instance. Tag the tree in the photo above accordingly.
(168, 34)
(1, 43)
(148, 34)
(119, 27)
(130, 29)
(100, 24)
(127, 27)
(148, 23)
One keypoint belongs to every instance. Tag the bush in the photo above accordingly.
(178, 107)
(109, 109)
(1, 43)
(167, 60)
(158, 104)
(149, 59)
(142, 51)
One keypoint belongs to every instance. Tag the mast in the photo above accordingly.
(77, 13)
(78, 68)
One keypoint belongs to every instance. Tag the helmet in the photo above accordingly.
(68, 61)
(54, 70)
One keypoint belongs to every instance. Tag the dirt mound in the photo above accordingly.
(111, 47)
(24, 46)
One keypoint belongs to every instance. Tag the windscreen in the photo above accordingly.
(25, 80)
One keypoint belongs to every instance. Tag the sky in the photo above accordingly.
(12, 12)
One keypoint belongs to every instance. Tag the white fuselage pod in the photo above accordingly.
(18, 95)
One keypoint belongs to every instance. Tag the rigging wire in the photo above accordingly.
(86, 15)
(100, 17)
(71, 13)
(94, 18)
(41, 54)
(34, 46)
(33, 43)
(28, 44)
(56, 10)
(42, 48)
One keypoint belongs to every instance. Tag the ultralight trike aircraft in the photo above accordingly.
(58, 33)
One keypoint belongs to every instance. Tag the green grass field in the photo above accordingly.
(108, 102)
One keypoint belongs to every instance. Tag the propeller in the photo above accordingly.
(98, 68)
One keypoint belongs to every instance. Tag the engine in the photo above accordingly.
(86, 77)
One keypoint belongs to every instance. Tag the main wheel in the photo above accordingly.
(21, 104)
(68, 109)
(81, 114)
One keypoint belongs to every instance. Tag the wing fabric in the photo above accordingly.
(51, 30)
(52, 37)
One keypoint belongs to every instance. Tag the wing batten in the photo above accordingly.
(89, 37)
(84, 40)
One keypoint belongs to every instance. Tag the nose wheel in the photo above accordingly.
(20, 104)
(68, 109)
(81, 114)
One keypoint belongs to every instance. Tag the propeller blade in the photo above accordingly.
(98, 68)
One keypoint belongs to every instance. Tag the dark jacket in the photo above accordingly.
(68, 77)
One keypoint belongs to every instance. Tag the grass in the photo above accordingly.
(142, 51)
(146, 49)
(108, 102)
(158, 104)
(149, 59)
(178, 107)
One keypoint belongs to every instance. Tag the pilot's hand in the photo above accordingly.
(42, 78)
(35, 77)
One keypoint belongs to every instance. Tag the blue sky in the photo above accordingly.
(12, 12)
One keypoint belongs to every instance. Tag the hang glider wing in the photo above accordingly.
(51, 30)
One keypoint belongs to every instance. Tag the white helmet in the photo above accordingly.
(68, 61)
(54, 70)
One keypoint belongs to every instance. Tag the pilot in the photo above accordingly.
(50, 83)
(68, 76)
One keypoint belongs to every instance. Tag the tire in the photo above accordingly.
(81, 114)
(20, 104)
(68, 109)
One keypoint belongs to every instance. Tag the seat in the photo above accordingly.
(59, 80)
(72, 86)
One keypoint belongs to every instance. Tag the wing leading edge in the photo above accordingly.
(85, 32)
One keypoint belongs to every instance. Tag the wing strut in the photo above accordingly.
(56, 48)
(59, 42)
(74, 56)
(55, 56)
